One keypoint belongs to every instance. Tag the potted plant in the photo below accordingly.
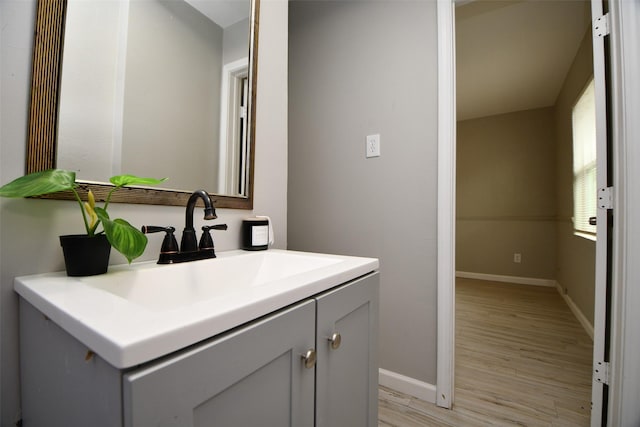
(86, 254)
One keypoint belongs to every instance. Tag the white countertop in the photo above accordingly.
(136, 313)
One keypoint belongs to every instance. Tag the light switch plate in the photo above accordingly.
(373, 146)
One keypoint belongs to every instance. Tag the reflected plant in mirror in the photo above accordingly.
(163, 87)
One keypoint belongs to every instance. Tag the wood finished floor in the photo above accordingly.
(522, 359)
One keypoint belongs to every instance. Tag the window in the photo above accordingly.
(584, 161)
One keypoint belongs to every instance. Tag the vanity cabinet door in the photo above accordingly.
(347, 368)
(253, 376)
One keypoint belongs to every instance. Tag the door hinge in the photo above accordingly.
(601, 372)
(601, 25)
(605, 198)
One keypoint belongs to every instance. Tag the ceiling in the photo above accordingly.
(223, 12)
(514, 55)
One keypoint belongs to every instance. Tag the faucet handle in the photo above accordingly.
(169, 244)
(206, 242)
(215, 227)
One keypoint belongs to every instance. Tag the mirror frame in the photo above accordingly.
(43, 115)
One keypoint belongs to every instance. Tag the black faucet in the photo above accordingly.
(189, 248)
(189, 242)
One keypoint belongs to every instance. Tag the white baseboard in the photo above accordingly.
(407, 385)
(588, 327)
(507, 279)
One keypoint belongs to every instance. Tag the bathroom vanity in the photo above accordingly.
(272, 338)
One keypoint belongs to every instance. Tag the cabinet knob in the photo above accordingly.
(309, 358)
(335, 340)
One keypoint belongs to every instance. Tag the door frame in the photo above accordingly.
(599, 393)
(446, 201)
(623, 408)
(446, 209)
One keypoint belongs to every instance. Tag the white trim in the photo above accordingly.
(407, 385)
(624, 386)
(598, 393)
(588, 327)
(507, 279)
(230, 72)
(446, 204)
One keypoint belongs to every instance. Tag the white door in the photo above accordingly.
(604, 221)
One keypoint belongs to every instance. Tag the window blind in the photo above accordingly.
(584, 161)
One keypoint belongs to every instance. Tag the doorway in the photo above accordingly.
(500, 220)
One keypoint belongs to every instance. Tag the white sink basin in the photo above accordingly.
(134, 314)
(162, 289)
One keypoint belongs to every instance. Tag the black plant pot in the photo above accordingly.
(84, 255)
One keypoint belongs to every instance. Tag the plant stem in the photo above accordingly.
(92, 232)
(84, 215)
(106, 202)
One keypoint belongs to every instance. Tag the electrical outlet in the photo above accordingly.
(517, 258)
(373, 146)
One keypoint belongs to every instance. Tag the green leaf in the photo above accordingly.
(39, 183)
(124, 237)
(123, 180)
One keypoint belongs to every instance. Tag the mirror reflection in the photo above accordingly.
(157, 88)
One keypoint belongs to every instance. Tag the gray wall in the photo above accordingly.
(360, 68)
(235, 41)
(91, 108)
(505, 197)
(172, 42)
(29, 229)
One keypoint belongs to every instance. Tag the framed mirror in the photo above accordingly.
(157, 114)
